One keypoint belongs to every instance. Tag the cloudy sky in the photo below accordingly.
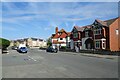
(39, 19)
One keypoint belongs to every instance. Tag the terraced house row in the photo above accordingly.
(100, 35)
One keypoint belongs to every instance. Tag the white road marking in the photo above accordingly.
(32, 58)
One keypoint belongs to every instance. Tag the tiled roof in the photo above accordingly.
(63, 35)
(79, 28)
(101, 22)
(56, 35)
(109, 22)
(68, 33)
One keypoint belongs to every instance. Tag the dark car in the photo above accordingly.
(4, 50)
(51, 49)
(22, 50)
(14, 47)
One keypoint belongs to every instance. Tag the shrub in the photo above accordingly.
(63, 47)
(4, 43)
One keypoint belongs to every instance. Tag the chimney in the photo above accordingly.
(56, 29)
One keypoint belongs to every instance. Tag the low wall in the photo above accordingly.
(102, 52)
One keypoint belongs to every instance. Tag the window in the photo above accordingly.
(97, 31)
(61, 38)
(103, 44)
(86, 34)
(75, 35)
(97, 44)
(117, 32)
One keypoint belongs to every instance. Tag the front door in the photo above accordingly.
(89, 44)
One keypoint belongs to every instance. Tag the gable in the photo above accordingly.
(97, 25)
(74, 30)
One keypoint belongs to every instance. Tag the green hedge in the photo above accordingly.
(4, 43)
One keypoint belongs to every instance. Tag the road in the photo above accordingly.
(41, 64)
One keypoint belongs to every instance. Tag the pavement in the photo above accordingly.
(93, 55)
(41, 64)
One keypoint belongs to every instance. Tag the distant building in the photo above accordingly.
(30, 42)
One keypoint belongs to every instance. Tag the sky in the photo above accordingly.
(39, 19)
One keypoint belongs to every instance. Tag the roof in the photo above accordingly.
(101, 22)
(79, 28)
(68, 33)
(56, 36)
(82, 28)
(63, 35)
(109, 22)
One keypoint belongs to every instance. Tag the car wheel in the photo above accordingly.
(55, 51)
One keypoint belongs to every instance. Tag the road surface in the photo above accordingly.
(41, 64)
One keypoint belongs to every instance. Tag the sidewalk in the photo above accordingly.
(99, 56)
(93, 55)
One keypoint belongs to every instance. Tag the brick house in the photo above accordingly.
(60, 38)
(101, 35)
(87, 38)
(76, 37)
(106, 34)
(114, 32)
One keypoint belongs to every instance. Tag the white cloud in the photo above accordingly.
(60, 11)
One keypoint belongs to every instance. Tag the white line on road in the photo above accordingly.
(32, 58)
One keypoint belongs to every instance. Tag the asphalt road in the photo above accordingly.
(41, 64)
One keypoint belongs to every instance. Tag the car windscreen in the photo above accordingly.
(23, 48)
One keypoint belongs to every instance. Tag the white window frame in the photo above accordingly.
(97, 31)
(97, 41)
(117, 32)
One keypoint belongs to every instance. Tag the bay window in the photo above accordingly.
(97, 44)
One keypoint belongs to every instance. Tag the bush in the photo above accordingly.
(4, 43)
(63, 47)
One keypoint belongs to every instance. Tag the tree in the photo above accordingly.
(49, 43)
(4, 43)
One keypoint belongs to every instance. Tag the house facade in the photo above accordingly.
(101, 35)
(114, 32)
(87, 38)
(60, 38)
(76, 37)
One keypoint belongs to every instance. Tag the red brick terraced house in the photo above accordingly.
(106, 34)
(87, 38)
(61, 38)
(101, 35)
(76, 37)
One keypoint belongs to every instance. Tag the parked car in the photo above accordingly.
(51, 49)
(4, 50)
(22, 50)
(14, 47)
